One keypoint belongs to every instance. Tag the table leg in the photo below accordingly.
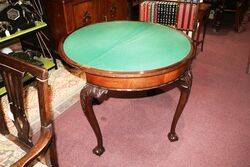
(184, 84)
(88, 94)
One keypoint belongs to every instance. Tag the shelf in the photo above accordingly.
(39, 25)
(48, 64)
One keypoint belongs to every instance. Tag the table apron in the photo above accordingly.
(134, 83)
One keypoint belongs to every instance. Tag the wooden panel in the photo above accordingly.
(83, 14)
(65, 16)
(135, 83)
(56, 20)
(78, 14)
(114, 10)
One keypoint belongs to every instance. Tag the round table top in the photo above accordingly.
(126, 46)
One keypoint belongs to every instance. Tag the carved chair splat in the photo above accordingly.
(12, 71)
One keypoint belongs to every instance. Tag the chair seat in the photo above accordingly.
(10, 153)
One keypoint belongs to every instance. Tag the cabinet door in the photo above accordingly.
(114, 10)
(80, 14)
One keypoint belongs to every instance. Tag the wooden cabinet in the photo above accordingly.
(65, 16)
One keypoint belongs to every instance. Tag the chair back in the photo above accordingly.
(13, 71)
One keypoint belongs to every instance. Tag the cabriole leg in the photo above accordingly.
(88, 93)
(184, 84)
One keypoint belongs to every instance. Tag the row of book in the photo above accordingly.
(159, 12)
(180, 15)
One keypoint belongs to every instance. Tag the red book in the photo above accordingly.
(193, 14)
(184, 15)
(142, 11)
(180, 15)
(146, 11)
(149, 11)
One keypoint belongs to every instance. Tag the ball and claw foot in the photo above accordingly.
(172, 137)
(98, 150)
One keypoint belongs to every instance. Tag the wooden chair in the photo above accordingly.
(184, 17)
(12, 71)
(203, 14)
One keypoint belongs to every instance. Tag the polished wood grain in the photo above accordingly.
(134, 83)
(12, 70)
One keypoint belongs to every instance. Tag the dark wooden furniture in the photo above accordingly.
(65, 16)
(220, 7)
(112, 63)
(12, 71)
(238, 9)
(203, 13)
(216, 14)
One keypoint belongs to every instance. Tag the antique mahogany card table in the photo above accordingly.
(129, 56)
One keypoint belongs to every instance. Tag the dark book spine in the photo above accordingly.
(158, 12)
(175, 13)
(166, 13)
(162, 13)
(172, 14)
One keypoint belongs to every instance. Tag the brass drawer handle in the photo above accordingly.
(113, 10)
(86, 16)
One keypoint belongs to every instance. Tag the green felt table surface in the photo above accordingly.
(126, 46)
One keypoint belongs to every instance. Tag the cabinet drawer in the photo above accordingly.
(83, 14)
(80, 14)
